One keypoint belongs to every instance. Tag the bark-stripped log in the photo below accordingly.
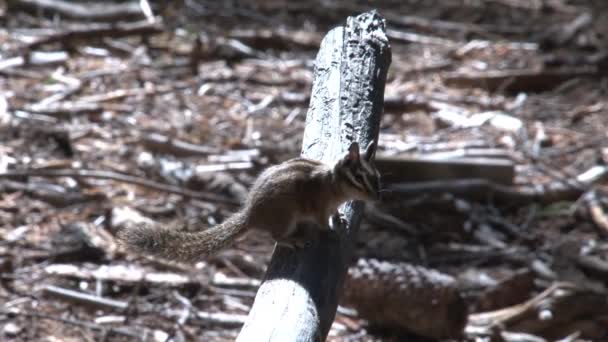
(299, 296)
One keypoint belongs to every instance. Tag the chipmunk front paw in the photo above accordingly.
(338, 222)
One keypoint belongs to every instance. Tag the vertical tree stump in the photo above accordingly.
(299, 296)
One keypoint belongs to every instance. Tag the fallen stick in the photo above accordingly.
(120, 274)
(516, 80)
(101, 11)
(37, 58)
(63, 109)
(402, 169)
(410, 37)
(225, 319)
(482, 189)
(93, 31)
(51, 193)
(120, 177)
(84, 298)
(119, 331)
(179, 148)
(285, 39)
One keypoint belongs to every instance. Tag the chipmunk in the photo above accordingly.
(295, 191)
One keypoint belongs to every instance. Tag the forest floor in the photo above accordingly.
(122, 113)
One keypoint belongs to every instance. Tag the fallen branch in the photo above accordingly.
(120, 274)
(84, 298)
(55, 317)
(516, 80)
(102, 11)
(51, 193)
(410, 37)
(165, 144)
(63, 109)
(432, 25)
(282, 39)
(96, 31)
(120, 177)
(226, 320)
(37, 58)
(482, 189)
(402, 169)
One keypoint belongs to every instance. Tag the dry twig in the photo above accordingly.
(120, 177)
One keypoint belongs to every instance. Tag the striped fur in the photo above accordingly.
(298, 190)
(358, 172)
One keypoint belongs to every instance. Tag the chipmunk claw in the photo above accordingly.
(338, 222)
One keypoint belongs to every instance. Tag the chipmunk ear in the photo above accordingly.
(370, 151)
(353, 152)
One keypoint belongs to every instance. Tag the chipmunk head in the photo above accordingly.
(358, 174)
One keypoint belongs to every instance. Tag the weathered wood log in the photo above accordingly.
(299, 296)
(403, 169)
(527, 80)
(483, 189)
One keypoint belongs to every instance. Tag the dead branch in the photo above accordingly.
(96, 31)
(411, 102)
(101, 11)
(164, 144)
(413, 298)
(231, 320)
(51, 193)
(120, 274)
(84, 298)
(516, 80)
(63, 109)
(301, 287)
(73, 85)
(482, 189)
(120, 177)
(119, 331)
(432, 25)
(120, 94)
(410, 37)
(37, 58)
(402, 169)
(266, 38)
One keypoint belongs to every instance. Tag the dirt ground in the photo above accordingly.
(169, 115)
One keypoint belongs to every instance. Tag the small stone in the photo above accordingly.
(11, 329)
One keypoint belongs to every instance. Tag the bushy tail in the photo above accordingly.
(182, 246)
